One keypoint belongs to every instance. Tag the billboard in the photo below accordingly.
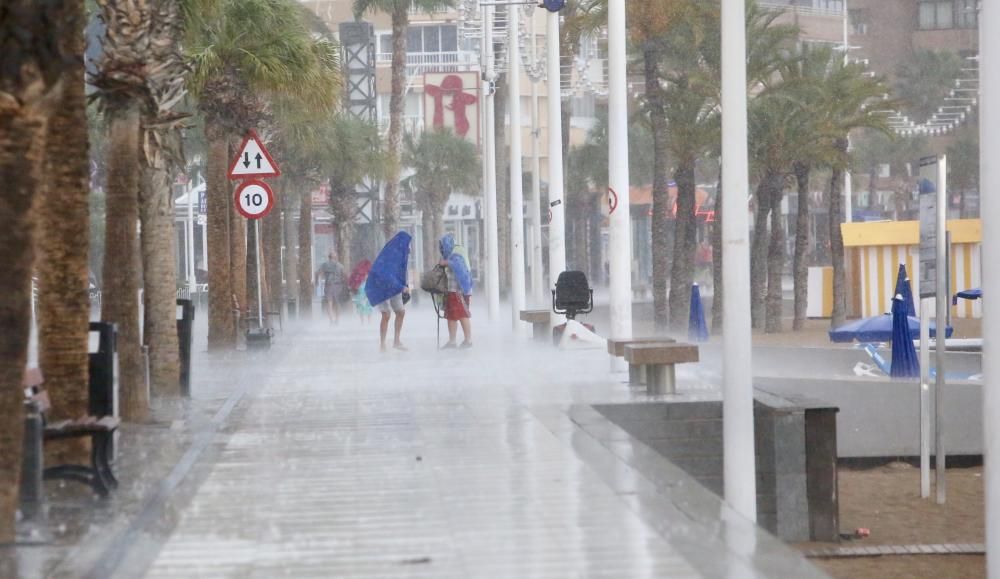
(451, 102)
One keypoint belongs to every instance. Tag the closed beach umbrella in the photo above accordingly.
(904, 289)
(697, 329)
(387, 276)
(904, 356)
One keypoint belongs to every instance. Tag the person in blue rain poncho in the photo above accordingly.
(456, 301)
(388, 288)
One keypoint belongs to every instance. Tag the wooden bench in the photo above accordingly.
(539, 320)
(636, 374)
(100, 430)
(659, 360)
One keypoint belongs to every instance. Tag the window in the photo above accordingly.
(432, 38)
(385, 44)
(936, 15)
(966, 13)
(859, 21)
(830, 5)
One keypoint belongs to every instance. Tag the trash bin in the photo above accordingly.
(102, 394)
(185, 336)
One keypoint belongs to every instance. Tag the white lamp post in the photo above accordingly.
(557, 208)
(516, 177)
(620, 234)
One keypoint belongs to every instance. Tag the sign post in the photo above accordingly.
(254, 198)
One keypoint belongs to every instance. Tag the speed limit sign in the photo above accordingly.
(254, 199)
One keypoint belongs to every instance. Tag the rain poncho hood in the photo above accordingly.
(458, 261)
(387, 276)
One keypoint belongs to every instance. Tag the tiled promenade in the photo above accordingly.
(340, 461)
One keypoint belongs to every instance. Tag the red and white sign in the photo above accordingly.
(253, 160)
(254, 199)
(451, 102)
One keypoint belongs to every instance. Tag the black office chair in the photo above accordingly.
(572, 295)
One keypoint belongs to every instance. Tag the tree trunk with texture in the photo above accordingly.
(685, 243)
(121, 264)
(758, 249)
(159, 245)
(775, 266)
(305, 257)
(594, 243)
(717, 287)
(221, 322)
(503, 182)
(63, 234)
(800, 269)
(660, 250)
(271, 260)
(238, 257)
(839, 315)
(22, 140)
(290, 202)
(390, 210)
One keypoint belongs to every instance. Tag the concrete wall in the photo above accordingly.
(880, 418)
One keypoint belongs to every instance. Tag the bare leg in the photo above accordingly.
(452, 332)
(466, 330)
(335, 311)
(383, 329)
(399, 328)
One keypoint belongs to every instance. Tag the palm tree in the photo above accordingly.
(242, 51)
(124, 95)
(399, 12)
(62, 241)
(354, 152)
(33, 65)
(442, 164)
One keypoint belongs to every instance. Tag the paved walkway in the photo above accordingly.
(343, 462)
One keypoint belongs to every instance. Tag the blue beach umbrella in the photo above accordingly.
(697, 329)
(904, 356)
(903, 288)
(387, 276)
(878, 329)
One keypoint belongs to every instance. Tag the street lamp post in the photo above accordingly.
(490, 168)
(557, 208)
(516, 177)
(739, 470)
(620, 242)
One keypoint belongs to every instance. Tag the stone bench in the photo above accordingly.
(659, 360)
(636, 374)
(539, 320)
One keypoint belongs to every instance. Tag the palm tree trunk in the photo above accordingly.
(221, 325)
(290, 201)
(503, 182)
(685, 243)
(390, 212)
(429, 237)
(594, 243)
(839, 314)
(660, 249)
(800, 271)
(305, 257)
(63, 235)
(271, 232)
(22, 136)
(775, 267)
(717, 287)
(160, 283)
(758, 251)
(238, 257)
(121, 264)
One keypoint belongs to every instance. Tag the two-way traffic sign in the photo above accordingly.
(253, 160)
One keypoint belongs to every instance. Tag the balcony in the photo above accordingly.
(827, 9)
(421, 62)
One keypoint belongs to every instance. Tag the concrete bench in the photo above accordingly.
(659, 360)
(636, 374)
(539, 320)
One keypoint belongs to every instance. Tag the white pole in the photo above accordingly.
(557, 226)
(989, 131)
(492, 224)
(537, 275)
(516, 176)
(619, 221)
(739, 469)
(848, 186)
(925, 397)
(190, 236)
(941, 316)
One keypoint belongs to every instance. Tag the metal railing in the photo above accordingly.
(803, 10)
(421, 62)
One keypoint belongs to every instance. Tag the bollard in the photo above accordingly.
(185, 337)
(32, 464)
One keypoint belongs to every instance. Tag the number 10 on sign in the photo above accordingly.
(254, 199)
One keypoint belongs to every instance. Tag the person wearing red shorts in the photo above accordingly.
(456, 301)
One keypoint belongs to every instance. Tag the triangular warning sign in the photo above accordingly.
(253, 160)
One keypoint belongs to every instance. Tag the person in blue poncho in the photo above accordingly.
(456, 301)
(387, 286)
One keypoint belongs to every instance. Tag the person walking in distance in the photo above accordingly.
(387, 286)
(456, 301)
(334, 286)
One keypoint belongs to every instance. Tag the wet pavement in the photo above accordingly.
(326, 458)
